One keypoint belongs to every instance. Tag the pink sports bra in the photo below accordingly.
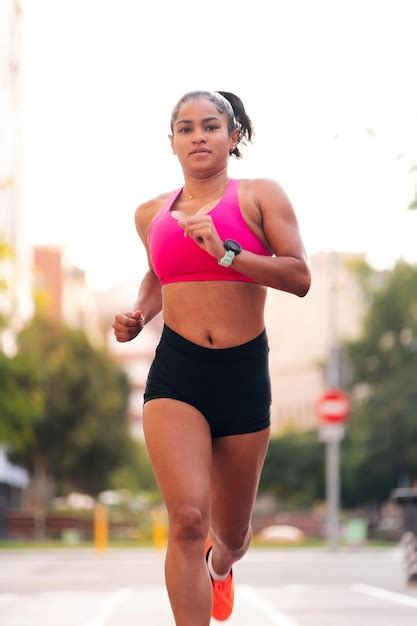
(176, 258)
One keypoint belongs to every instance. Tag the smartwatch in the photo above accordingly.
(233, 248)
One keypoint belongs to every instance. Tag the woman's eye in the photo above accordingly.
(185, 130)
(211, 127)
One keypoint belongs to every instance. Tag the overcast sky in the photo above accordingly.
(329, 85)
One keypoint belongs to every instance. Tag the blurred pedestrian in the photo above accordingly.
(214, 246)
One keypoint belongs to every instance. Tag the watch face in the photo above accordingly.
(232, 245)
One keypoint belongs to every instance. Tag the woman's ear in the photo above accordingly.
(171, 139)
(234, 138)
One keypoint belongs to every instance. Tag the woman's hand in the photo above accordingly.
(128, 325)
(202, 230)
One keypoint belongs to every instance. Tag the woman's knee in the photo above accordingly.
(235, 542)
(188, 523)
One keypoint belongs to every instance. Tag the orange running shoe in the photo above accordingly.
(223, 594)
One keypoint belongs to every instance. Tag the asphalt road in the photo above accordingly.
(125, 587)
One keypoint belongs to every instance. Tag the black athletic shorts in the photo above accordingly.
(231, 387)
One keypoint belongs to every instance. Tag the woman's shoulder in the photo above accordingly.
(146, 211)
(260, 185)
(153, 204)
(263, 191)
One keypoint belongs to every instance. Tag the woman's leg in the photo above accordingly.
(179, 442)
(236, 470)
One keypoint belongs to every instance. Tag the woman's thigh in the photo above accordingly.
(179, 443)
(236, 470)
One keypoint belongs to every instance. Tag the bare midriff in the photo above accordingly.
(215, 314)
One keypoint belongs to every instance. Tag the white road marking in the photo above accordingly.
(320, 555)
(384, 594)
(109, 606)
(265, 608)
(295, 588)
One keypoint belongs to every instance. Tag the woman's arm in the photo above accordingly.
(149, 299)
(289, 269)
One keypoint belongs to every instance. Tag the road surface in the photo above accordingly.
(125, 587)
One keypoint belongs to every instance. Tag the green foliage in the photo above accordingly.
(21, 403)
(380, 451)
(294, 469)
(137, 475)
(21, 400)
(390, 331)
(82, 435)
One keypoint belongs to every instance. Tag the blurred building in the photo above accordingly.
(13, 481)
(15, 302)
(48, 280)
(300, 333)
(60, 290)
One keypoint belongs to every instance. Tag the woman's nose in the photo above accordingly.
(199, 138)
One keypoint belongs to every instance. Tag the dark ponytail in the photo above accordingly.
(228, 104)
(243, 121)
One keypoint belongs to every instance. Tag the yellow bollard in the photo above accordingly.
(101, 534)
(159, 531)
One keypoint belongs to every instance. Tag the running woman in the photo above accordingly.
(214, 246)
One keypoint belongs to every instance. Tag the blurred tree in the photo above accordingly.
(294, 469)
(380, 449)
(21, 403)
(18, 411)
(82, 435)
(136, 475)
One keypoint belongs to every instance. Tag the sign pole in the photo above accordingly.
(333, 493)
(333, 408)
(332, 442)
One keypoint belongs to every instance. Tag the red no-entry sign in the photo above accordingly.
(333, 406)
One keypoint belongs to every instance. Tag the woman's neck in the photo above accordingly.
(204, 187)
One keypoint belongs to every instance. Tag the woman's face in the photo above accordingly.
(201, 137)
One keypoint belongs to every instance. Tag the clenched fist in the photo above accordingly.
(203, 231)
(128, 325)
